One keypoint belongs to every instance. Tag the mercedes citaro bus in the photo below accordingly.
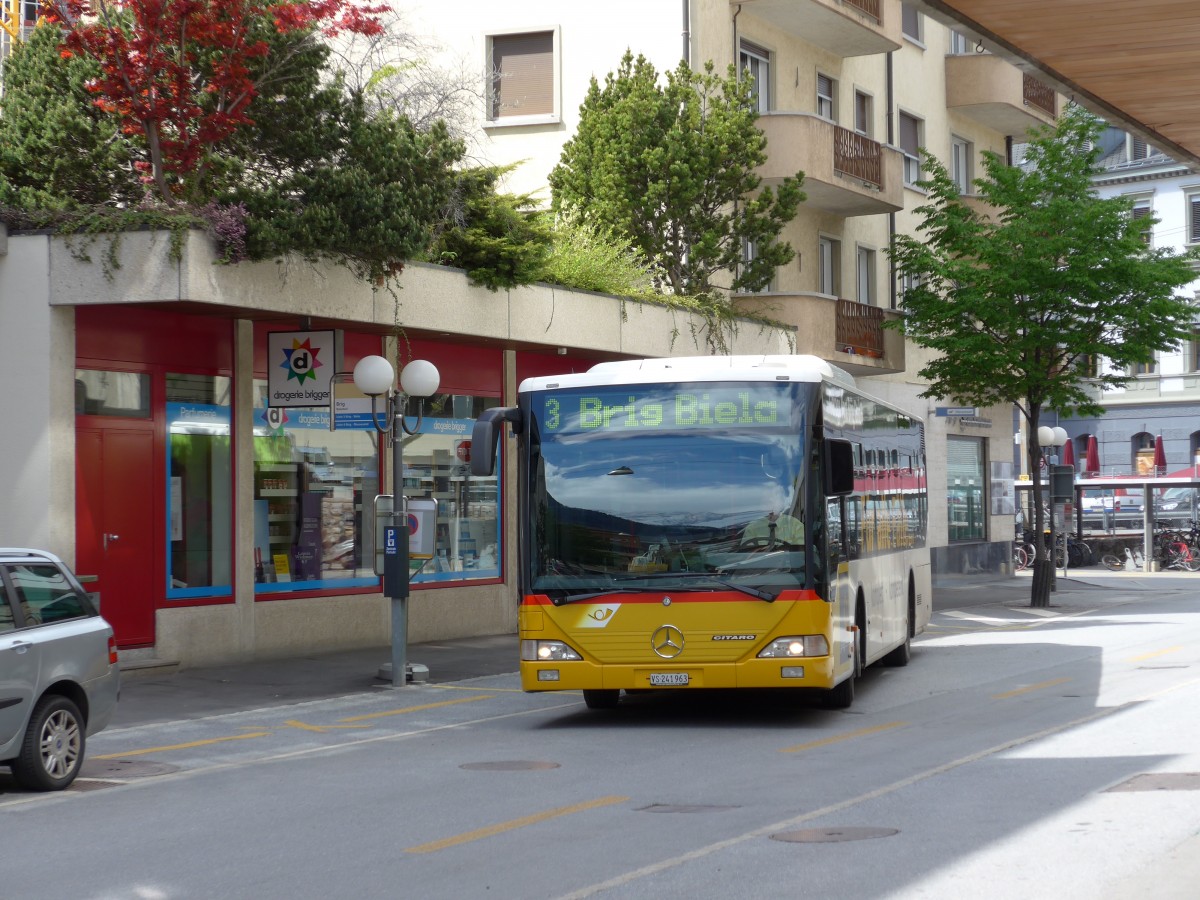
(715, 522)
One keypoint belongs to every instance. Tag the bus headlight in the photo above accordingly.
(806, 645)
(546, 651)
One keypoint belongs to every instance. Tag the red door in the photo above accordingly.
(114, 526)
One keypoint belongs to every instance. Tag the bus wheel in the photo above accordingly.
(601, 699)
(839, 697)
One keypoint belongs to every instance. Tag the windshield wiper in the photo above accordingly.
(757, 593)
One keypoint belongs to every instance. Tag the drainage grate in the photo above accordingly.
(683, 808)
(511, 765)
(1160, 781)
(832, 835)
(124, 768)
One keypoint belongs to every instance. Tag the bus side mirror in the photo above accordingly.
(486, 433)
(839, 468)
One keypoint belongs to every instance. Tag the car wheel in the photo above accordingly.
(52, 751)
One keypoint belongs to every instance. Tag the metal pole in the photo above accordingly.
(399, 523)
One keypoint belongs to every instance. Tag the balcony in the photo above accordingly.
(844, 173)
(845, 333)
(844, 27)
(997, 94)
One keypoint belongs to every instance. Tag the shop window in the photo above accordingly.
(437, 467)
(199, 486)
(313, 498)
(103, 393)
(966, 506)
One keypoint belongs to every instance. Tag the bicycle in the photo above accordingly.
(1172, 550)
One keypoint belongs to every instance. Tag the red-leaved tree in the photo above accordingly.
(183, 74)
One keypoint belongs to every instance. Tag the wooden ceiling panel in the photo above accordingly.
(1136, 62)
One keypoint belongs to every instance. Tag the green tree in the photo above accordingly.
(501, 240)
(1019, 303)
(57, 150)
(671, 167)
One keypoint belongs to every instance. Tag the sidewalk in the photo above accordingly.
(195, 693)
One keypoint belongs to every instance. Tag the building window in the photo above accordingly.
(966, 506)
(755, 62)
(1193, 227)
(826, 97)
(100, 392)
(910, 146)
(911, 22)
(961, 152)
(1192, 350)
(863, 116)
(1144, 368)
(1137, 147)
(960, 44)
(1142, 446)
(908, 282)
(829, 252)
(866, 276)
(1141, 214)
(199, 486)
(749, 254)
(523, 80)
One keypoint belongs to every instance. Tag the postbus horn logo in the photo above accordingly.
(301, 360)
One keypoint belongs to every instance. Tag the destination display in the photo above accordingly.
(665, 408)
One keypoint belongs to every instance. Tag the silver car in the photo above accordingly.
(59, 680)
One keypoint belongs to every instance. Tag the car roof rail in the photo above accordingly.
(29, 553)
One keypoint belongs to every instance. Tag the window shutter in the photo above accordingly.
(523, 74)
(1194, 235)
(910, 142)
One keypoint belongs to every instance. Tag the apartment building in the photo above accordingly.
(849, 92)
(1162, 397)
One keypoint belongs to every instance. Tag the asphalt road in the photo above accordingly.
(1022, 753)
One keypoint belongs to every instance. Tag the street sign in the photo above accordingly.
(955, 411)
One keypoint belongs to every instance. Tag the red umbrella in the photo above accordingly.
(1068, 455)
(1091, 462)
(1160, 456)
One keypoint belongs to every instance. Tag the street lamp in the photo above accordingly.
(374, 376)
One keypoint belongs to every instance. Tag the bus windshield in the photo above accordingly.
(695, 487)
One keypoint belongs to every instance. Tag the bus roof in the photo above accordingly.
(766, 367)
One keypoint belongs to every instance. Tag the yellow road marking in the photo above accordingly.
(514, 824)
(1029, 687)
(304, 726)
(408, 709)
(825, 742)
(189, 745)
(1154, 654)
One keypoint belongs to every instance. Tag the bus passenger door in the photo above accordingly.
(836, 566)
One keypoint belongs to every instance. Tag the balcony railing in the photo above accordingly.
(870, 7)
(1038, 95)
(859, 329)
(857, 156)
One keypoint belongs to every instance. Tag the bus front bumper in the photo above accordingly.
(577, 675)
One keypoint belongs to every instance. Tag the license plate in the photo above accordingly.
(663, 679)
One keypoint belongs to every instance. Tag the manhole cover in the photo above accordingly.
(1161, 781)
(79, 785)
(124, 768)
(832, 835)
(509, 765)
(683, 808)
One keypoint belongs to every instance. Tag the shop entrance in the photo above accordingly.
(114, 526)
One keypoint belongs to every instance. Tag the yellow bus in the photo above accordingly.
(713, 522)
